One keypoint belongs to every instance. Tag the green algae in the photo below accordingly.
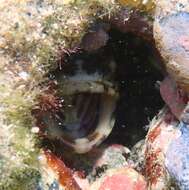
(32, 37)
(21, 179)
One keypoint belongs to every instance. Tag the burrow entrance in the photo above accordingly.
(137, 73)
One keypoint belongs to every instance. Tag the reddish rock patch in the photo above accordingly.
(64, 173)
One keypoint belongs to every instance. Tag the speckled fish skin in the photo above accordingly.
(177, 157)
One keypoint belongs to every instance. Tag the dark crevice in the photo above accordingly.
(138, 72)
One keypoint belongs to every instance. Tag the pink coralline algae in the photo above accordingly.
(120, 179)
(159, 136)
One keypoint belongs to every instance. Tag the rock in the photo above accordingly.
(162, 131)
(111, 157)
(177, 157)
(120, 179)
(130, 20)
(171, 35)
(114, 157)
(55, 174)
(94, 40)
(137, 156)
(112, 171)
(173, 96)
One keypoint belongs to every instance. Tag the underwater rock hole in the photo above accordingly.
(116, 87)
(138, 74)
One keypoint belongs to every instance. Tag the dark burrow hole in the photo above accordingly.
(138, 71)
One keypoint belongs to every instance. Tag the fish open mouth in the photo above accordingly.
(109, 89)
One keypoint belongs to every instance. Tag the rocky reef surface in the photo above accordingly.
(94, 94)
